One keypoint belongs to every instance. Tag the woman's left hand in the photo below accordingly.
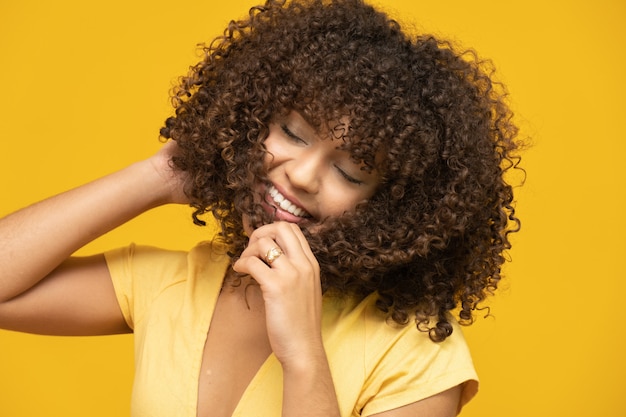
(291, 290)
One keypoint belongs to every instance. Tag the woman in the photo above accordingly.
(357, 176)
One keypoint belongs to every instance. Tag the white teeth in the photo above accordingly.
(285, 204)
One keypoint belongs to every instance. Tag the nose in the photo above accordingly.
(305, 171)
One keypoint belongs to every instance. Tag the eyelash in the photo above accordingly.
(348, 177)
(291, 134)
(296, 138)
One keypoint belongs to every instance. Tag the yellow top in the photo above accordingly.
(168, 298)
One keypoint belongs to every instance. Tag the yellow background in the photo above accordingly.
(84, 89)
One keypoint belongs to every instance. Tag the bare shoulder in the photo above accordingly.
(444, 404)
(77, 298)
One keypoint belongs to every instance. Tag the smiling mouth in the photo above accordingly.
(281, 202)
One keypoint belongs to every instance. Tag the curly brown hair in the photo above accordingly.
(432, 238)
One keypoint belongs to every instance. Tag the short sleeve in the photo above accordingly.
(140, 274)
(413, 368)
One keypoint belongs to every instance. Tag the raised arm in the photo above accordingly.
(43, 290)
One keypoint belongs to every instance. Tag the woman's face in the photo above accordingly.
(310, 177)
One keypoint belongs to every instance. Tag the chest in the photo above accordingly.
(236, 347)
(203, 352)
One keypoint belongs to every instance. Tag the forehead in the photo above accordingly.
(337, 128)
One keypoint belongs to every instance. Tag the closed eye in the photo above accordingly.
(290, 134)
(348, 177)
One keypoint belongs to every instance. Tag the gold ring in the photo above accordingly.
(272, 255)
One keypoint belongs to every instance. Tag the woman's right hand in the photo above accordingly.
(173, 179)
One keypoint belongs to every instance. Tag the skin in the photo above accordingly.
(44, 290)
(312, 172)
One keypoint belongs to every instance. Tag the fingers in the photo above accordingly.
(287, 237)
(172, 180)
(279, 247)
(279, 258)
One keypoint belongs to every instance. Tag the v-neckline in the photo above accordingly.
(266, 364)
(265, 367)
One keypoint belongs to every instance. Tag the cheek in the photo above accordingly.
(267, 160)
(341, 200)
